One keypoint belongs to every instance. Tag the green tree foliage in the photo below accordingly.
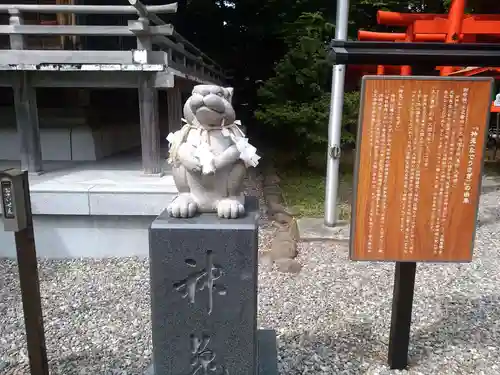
(295, 101)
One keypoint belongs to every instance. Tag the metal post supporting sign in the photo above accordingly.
(17, 218)
(402, 306)
(335, 121)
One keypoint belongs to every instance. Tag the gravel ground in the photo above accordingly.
(332, 318)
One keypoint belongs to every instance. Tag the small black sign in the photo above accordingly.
(7, 199)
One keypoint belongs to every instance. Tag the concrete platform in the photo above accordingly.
(93, 209)
(314, 229)
(112, 186)
(490, 183)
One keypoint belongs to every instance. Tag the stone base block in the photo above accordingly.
(267, 354)
(204, 293)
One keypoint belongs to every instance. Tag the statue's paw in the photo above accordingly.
(182, 207)
(191, 164)
(193, 167)
(230, 209)
(196, 169)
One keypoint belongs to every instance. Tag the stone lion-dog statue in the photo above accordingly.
(209, 156)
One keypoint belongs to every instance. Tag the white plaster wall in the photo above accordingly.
(84, 144)
(116, 138)
(9, 145)
(77, 144)
(55, 144)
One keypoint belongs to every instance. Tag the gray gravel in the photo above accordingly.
(332, 318)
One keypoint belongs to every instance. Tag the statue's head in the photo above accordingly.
(210, 105)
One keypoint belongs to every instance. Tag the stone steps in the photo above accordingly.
(100, 199)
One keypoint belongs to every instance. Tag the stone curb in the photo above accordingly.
(284, 244)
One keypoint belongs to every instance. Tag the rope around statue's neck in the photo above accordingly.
(222, 127)
(231, 130)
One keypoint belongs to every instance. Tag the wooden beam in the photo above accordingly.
(26, 108)
(188, 44)
(404, 19)
(80, 30)
(84, 68)
(149, 113)
(455, 23)
(475, 72)
(150, 127)
(16, 19)
(469, 26)
(143, 11)
(37, 57)
(174, 107)
(88, 9)
(27, 123)
(160, 80)
(391, 37)
(397, 53)
(406, 69)
(165, 42)
(183, 72)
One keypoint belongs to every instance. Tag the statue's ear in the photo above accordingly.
(230, 91)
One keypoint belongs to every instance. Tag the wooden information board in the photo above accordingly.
(420, 151)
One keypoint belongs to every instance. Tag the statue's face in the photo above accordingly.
(210, 105)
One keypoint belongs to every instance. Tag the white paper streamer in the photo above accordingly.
(248, 153)
(174, 138)
(206, 158)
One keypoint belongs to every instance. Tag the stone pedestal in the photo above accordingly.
(204, 296)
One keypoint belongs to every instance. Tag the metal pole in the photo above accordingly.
(335, 120)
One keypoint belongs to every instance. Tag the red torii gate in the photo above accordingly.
(455, 27)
